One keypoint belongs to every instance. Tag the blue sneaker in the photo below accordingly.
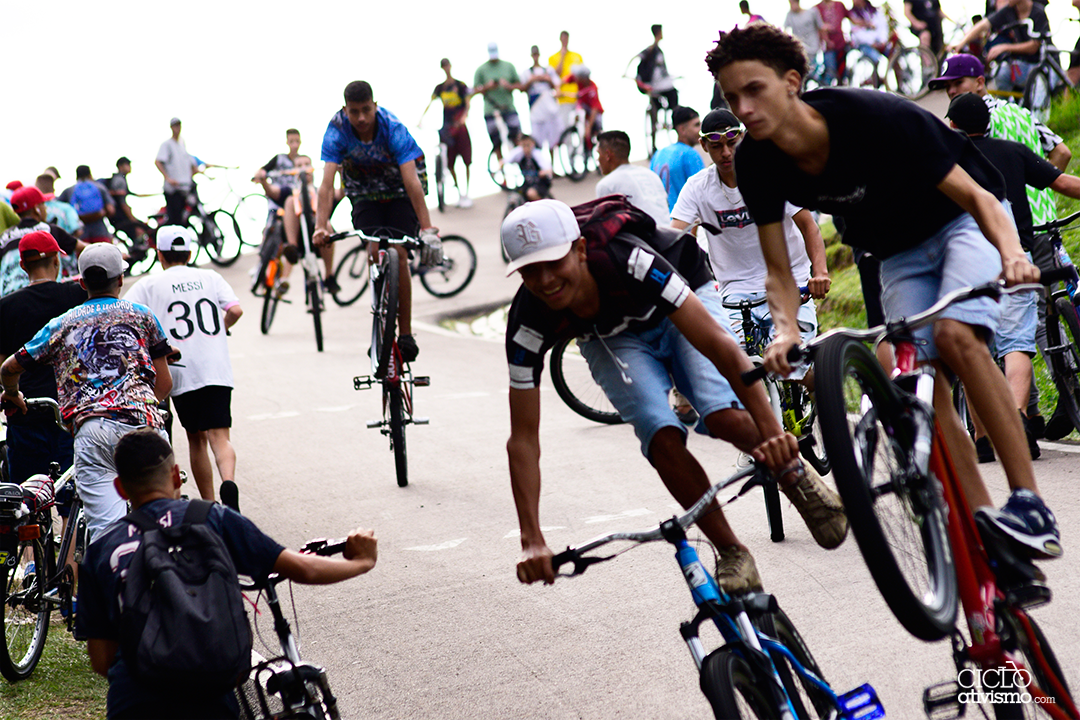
(1026, 520)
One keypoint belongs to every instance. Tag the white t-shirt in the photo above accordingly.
(539, 157)
(178, 162)
(190, 304)
(642, 187)
(735, 254)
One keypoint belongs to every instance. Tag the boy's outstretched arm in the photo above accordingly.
(361, 551)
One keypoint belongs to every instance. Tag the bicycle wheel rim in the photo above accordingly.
(733, 690)
(24, 613)
(898, 521)
(252, 214)
(572, 154)
(352, 276)
(455, 272)
(397, 434)
(223, 238)
(575, 384)
(384, 311)
(315, 297)
(1037, 95)
(808, 699)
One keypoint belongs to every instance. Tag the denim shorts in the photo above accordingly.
(957, 256)
(1019, 321)
(649, 361)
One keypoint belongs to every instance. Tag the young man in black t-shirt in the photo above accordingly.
(926, 202)
(645, 309)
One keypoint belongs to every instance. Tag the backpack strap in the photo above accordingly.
(197, 512)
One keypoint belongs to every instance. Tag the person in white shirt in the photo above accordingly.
(640, 185)
(712, 197)
(195, 308)
(535, 169)
(178, 168)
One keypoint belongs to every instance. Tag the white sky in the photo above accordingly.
(90, 82)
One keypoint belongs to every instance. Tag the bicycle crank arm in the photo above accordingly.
(420, 421)
(376, 423)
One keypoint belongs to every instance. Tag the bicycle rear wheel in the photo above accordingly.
(572, 153)
(315, 293)
(251, 213)
(862, 73)
(733, 689)
(1062, 338)
(271, 294)
(351, 275)
(910, 70)
(140, 258)
(384, 310)
(24, 615)
(222, 238)
(810, 701)
(397, 432)
(455, 272)
(1037, 94)
(575, 384)
(898, 519)
(1047, 676)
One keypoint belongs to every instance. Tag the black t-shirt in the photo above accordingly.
(1007, 16)
(640, 281)
(1020, 168)
(22, 314)
(452, 94)
(886, 158)
(929, 11)
(118, 190)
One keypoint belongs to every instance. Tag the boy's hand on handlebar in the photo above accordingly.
(778, 452)
(1018, 270)
(361, 545)
(819, 286)
(776, 355)
(535, 564)
(319, 236)
(12, 402)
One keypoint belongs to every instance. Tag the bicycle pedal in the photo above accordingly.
(1029, 596)
(942, 701)
(420, 421)
(363, 382)
(422, 381)
(374, 423)
(862, 703)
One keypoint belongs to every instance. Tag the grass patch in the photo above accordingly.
(62, 687)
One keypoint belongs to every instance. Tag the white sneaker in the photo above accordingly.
(464, 202)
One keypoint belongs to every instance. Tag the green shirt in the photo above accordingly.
(1009, 121)
(497, 99)
(8, 217)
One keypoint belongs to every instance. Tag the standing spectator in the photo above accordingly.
(178, 168)
(641, 186)
(124, 219)
(496, 80)
(562, 62)
(540, 85)
(196, 307)
(832, 14)
(751, 18)
(29, 203)
(92, 202)
(678, 161)
(653, 79)
(33, 439)
(278, 191)
(808, 27)
(454, 95)
(109, 360)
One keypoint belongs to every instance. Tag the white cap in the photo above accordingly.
(538, 231)
(175, 238)
(493, 51)
(102, 257)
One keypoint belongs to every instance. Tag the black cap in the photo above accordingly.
(969, 113)
(719, 120)
(682, 114)
(123, 161)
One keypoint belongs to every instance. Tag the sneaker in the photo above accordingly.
(683, 409)
(282, 288)
(1033, 447)
(408, 347)
(1059, 425)
(1037, 425)
(331, 285)
(820, 507)
(984, 450)
(1026, 520)
(465, 202)
(736, 571)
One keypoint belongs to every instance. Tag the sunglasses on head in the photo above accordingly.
(731, 134)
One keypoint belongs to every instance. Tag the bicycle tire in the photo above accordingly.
(572, 154)
(898, 520)
(314, 289)
(1063, 333)
(24, 615)
(397, 433)
(497, 174)
(271, 296)
(1047, 677)
(809, 701)
(222, 242)
(1038, 92)
(440, 183)
(910, 70)
(273, 239)
(576, 386)
(252, 214)
(803, 421)
(139, 260)
(863, 73)
(774, 511)
(384, 312)
(352, 276)
(733, 690)
(455, 272)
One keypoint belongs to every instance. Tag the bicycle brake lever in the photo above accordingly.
(581, 564)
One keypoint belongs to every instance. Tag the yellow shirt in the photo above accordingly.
(568, 90)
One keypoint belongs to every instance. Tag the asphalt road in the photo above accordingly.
(441, 628)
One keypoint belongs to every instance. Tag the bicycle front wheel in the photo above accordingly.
(222, 238)
(809, 700)
(1063, 335)
(251, 213)
(1037, 94)
(314, 288)
(455, 272)
(575, 384)
(910, 70)
(397, 434)
(898, 519)
(24, 614)
(733, 690)
(572, 154)
(271, 295)
(351, 275)
(384, 310)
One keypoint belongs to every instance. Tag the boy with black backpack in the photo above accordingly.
(159, 602)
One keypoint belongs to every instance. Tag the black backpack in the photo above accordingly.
(182, 619)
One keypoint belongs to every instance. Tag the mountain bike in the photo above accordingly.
(922, 544)
(446, 279)
(268, 278)
(36, 578)
(217, 232)
(387, 366)
(1044, 80)
(764, 668)
(575, 384)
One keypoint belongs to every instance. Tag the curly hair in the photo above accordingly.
(765, 43)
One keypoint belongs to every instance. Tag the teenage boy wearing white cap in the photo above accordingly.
(644, 307)
(196, 307)
(109, 359)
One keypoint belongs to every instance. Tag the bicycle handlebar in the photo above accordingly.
(409, 242)
(804, 292)
(1057, 224)
(39, 403)
(321, 546)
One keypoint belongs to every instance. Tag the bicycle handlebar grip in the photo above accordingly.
(1061, 274)
(338, 236)
(750, 377)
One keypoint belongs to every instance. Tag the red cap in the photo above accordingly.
(38, 244)
(14, 185)
(26, 198)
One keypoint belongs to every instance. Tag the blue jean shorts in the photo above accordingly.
(650, 360)
(957, 256)
(1019, 321)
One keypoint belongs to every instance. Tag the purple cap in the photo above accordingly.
(956, 67)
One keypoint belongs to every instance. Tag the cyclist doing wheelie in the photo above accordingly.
(593, 273)
(810, 151)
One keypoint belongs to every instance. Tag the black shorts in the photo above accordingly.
(207, 408)
(396, 215)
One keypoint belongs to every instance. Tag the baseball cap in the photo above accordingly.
(956, 67)
(493, 51)
(14, 185)
(969, 113)
(38, 244)
(719, 120)
(538, 231)
(102, 258)
(175, 238)
(26, 198)
(682, 114)
(174, 121)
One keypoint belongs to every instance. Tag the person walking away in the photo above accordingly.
(93, 203)
(178, 168)
(676, 163)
